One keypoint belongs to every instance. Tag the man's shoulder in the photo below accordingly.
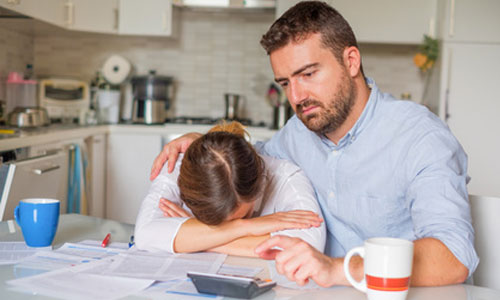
(409, 114)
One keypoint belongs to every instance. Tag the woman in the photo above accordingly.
(224, 184)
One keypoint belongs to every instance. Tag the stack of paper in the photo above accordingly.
(88, 271)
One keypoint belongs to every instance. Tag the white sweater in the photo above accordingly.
(291, 191)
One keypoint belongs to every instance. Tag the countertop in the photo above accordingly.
(57, 132)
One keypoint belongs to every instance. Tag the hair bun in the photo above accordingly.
(233, 127)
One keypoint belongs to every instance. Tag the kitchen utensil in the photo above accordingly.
(151, 98)
(108, 104)
(232, 102)
(20, 92)
(28, 117)
(282, 111)
(65, 99)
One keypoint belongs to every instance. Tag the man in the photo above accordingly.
(380, 167)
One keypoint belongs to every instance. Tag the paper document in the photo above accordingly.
(52, 260)
(159, 266)
(95, 252)
(177, 289)
(13, 252)
(113, 245)
(72, 283)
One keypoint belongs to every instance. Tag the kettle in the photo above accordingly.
(151, 98)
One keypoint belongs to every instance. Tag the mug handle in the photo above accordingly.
(360, 285)
(17, 216)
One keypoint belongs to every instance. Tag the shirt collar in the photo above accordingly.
(363, 120)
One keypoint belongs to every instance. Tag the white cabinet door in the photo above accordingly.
(145, 17)
(97, 156)
(57, 12)
(472, 21)
(473, 107)
(383, 21)
(94, 15)
(129, 160)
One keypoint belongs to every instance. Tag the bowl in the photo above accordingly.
(28, 117)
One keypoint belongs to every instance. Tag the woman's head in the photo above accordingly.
(221, 175)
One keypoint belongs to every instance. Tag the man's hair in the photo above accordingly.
(219, 170)
(306, 18)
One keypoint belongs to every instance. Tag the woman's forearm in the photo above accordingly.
(194, 236)
(242, 247)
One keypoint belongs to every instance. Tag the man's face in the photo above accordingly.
(243, 211)
(318, 87)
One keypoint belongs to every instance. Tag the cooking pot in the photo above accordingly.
(28, 117)
(151, 98)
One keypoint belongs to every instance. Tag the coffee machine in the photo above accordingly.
(151, 98)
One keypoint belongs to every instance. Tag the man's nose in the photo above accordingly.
(296, 93)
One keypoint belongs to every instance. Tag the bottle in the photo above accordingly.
(28, 73)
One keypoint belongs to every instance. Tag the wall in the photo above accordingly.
(213, 53)
(16, 48)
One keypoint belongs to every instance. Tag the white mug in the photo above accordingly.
(387, 268)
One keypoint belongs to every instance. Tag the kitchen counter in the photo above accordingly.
(57, 133)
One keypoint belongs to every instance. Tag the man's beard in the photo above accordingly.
(329, 118)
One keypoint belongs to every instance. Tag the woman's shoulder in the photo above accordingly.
(280, 167)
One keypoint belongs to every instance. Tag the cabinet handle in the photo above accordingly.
(116, 19)
(164, 20)
(45, 170)
(451, 30)
(70, 10)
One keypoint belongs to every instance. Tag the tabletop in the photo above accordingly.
(74, 228)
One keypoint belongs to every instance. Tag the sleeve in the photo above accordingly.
(296, 193)
(438, 195)
(154, 231)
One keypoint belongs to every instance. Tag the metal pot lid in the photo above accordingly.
(151, 78)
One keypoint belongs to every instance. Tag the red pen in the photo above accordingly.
(106, 240)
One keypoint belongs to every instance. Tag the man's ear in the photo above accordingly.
(352, 61)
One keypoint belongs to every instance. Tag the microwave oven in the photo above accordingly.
(66, 100)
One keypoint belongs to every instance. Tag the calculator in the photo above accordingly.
(230, 285)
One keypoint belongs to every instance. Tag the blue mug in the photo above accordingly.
(38, 219)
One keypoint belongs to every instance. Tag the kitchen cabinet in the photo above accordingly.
(55, 12)
(383, 21)
(127, 17)
(93, 15)
(470, 104)
(96, 146)
(146, 17)
(471, 21)
(129, 159)
(466, 86)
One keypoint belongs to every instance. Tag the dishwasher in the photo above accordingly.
(41, 176)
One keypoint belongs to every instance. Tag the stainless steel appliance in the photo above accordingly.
(151, 98)
(28, 117)
(233, 103)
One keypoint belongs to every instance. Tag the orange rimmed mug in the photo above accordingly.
(387, 267)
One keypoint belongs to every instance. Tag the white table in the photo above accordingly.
(74, 228)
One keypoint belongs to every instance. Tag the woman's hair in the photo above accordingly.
(219, 170)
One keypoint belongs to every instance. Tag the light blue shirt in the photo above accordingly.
(399, 172)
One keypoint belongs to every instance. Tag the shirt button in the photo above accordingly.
(331, 195)
(335, 152)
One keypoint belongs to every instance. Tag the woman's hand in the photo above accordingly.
(171, 152)
(295, 219)
(171, 209)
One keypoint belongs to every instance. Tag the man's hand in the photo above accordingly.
(299, 261)
(295, 219)
(171, 209)
(171, 152)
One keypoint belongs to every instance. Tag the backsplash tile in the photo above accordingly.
(214, 53)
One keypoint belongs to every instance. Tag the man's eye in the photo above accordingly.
(284, 84)
(308, 74)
